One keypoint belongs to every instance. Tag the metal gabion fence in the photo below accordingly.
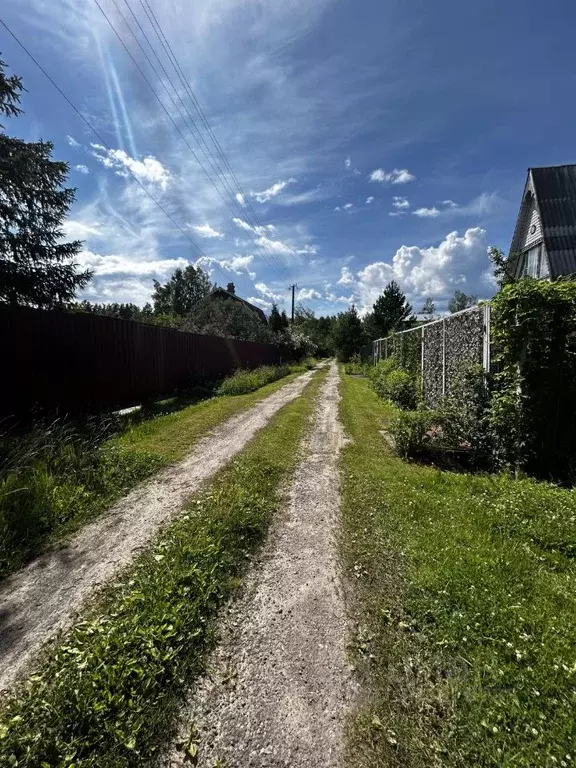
(437, 350)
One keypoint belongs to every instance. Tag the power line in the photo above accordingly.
(147, 81)
(168, 50)
(105, 143)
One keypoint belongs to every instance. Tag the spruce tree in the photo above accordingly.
(36, 266)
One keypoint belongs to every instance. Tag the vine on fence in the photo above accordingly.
(534, 400)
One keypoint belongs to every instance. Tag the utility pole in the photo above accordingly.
(293, 289)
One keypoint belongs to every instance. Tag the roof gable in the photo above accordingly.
(224, 294)
(548, 215)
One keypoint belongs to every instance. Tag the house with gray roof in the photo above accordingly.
(544, 242)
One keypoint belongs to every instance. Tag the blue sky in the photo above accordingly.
(374, 139)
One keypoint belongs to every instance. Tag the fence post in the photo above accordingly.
(422, 362)
(443, 356)
(486, 347)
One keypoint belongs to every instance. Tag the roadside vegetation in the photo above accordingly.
(242, 382)
(58, 476)
(464, 598)
(109, 694)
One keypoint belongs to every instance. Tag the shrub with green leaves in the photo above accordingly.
(534, 342)
(416, 433)
(391, 382)
(242, 381)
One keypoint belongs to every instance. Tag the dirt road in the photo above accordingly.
(44, 597)
(279, 686)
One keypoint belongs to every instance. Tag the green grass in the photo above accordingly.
(58, 477)
(465, 601)
(172, 436)
(109, 695)
(242, 382)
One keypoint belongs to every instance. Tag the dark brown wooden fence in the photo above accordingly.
(81, 361)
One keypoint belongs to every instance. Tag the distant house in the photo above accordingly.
(544, 242)
(229, 293)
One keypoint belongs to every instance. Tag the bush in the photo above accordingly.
(391, 382)
(416, 433)
(465, 417)
(355, 366)
(242, 382)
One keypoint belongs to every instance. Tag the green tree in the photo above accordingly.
(228, 318)
(461, 300)
(389, 311)
(500, 266)
(36, 267)
(183, 290)
(348, 334)
(277, 322)
(428, 308)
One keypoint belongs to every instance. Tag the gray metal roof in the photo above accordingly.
(555, 193)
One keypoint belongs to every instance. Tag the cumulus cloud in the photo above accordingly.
(449, 203)
(308, 294)
(346, 207)
(459, 261)
(369, 200)
(346, 277)
(348, 162)
(82, 168)
(272, 191)
(147, 170)
(237, 264)
(274, 246)
(307, 250)
(240, 199)
(267, 292)
(333, 299)
(259, 302)
(72, 141)
(397, 176)
(400, 202)
(205, 230)
(426, 213)
(257, 230)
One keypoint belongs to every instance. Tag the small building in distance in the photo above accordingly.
(229, 293)
(544, 242)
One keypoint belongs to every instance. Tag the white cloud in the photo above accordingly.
(243, 225)
(459, 261)
(397, 176)
(348, 162)
(147, 170)
(240, 199)
(307, 249)
(274, 246)
(397, 213)
(82, 168)
(268, 292)
(400, 202)
(262, 303)
(272, 191)
(369, 200)
(237, 264)
(205, 230)
(333, 299)
(308, 294)
(72, 141)
(426, 213)
(449, 203)
(348, 206)
(78, 230)
(346, 277)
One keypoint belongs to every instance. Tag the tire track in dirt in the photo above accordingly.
(279, 687)
(44, 597)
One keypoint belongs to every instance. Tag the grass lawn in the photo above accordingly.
(465, 601)
(108, 697)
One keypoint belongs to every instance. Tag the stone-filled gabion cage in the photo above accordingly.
(436, 351)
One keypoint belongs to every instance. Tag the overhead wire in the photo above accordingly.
(276, 263)
(168, 50)
(108, 147)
